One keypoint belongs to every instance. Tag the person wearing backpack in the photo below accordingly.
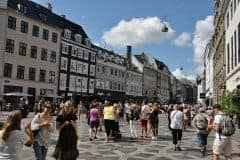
(224, 128)
(200, 122)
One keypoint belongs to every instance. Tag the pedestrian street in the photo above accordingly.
(140, 149)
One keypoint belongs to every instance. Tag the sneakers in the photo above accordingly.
(153, 138)
(90, 139)
(95, 137)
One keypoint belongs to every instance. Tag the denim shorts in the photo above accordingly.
(202, 139)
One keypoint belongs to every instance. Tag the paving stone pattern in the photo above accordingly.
(140, 149)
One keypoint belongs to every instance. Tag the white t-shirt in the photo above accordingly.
(176, 119)
(12, 148)
(145, 112)
(218, 119)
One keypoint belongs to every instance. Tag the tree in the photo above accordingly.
(231, 102)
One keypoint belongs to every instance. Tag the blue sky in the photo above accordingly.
(115, 23)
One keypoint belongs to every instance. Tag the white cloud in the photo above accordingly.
(137, 31)
(178, 73)
(183, 39)
(203, 33)
(200, 69)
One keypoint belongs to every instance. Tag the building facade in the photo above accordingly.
(219, 63)
(133, 78)
(77, 64)
(29, 49)
(232, 42)
(208, 73)
(110, 75)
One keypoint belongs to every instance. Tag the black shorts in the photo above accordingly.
(94, 124)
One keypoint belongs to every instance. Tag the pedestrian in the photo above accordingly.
(200, 122)
(127, 108)
(153, 117)
(109, 119)
(134, 118)
(94, 121)
(222, 143)
(145, 111)
(176, 126)
(12, 138)
(42, 125)
(23, 107)
(81, 111)
(66, 115)
(66, 147)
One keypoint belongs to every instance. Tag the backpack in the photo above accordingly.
(135, 114)
(201, 122)
(227, 126)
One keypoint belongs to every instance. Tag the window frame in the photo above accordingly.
(7, 70)
(12, 22)
(9, 48)
(22, 50)
(24, 27)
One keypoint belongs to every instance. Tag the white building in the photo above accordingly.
(29, 49)
(208, 73)
(232, 42)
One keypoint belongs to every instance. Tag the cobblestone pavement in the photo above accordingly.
(140, 149)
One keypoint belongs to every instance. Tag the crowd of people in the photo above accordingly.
(18, 130)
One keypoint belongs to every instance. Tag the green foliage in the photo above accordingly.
(231, 103)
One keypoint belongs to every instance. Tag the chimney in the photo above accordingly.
(63, 16)
(49, 6)
(129, 56)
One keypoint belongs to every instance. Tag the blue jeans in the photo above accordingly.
(202, 139)
(39, 151)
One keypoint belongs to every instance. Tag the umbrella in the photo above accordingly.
(18, 94)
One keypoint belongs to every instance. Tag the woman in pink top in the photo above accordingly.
(94, 121)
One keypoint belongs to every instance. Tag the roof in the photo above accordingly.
(34, 9)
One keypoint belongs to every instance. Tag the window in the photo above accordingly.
(11, 22)
(93, 57)
(235, 48)
(10, 46)
(32, 73)
(24, 27)
(20, 72)
(78, 38)
(231, 10)
(54, 37)
(33, 53)
(235, 5)
(228, 59)
(74, 51)
(85, 55)
(227, 19)
(22, 8)
(7, 70)
(80, 53)
(64, 48)
(35, 31)
(88, 42)
(45, 34)
(53, 56)
(42, 75)
(44, 54)
(64, 63)
(67, 34)
(232, 53)
(22, 49)
(51, 77)
(43, 17)
(238, 42)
